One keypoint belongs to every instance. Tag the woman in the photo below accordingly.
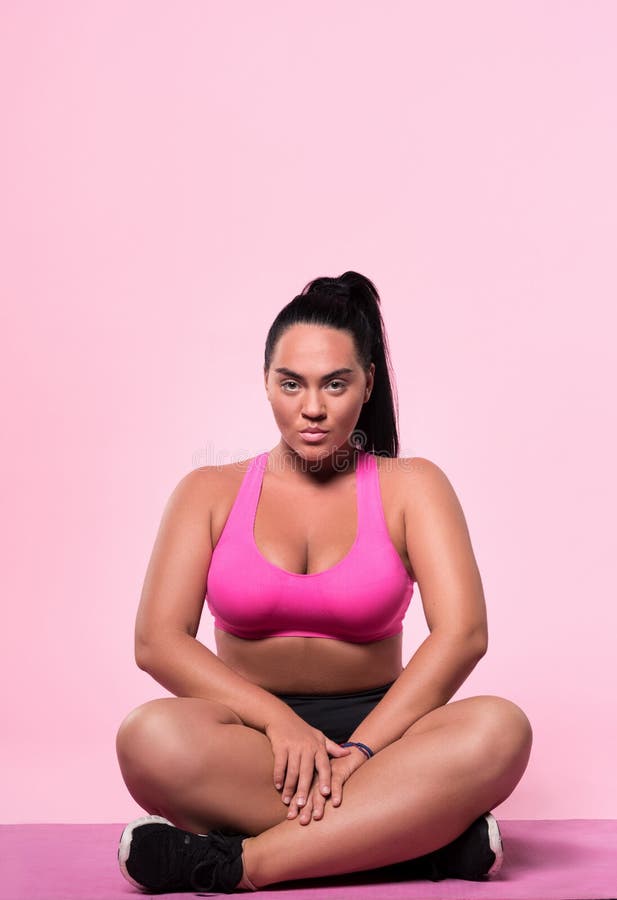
(303, 748)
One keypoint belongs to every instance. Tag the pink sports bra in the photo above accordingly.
(362, 598)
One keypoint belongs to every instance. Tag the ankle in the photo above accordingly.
(245, 882)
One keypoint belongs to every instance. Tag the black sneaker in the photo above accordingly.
(474, 855)
(157, 857)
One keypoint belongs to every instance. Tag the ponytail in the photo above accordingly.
(351, 303)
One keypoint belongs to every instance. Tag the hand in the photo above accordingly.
(341, 769)
(298, 750)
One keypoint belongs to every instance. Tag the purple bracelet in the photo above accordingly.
(363, 747)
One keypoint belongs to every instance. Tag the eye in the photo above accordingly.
(285, 385)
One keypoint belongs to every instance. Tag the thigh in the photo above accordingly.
(485, 718)
(194, 762)
(161, 719)
(171, 742)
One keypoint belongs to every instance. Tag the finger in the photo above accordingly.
(291, 778)
(337, 790)
(280, 764)
(319, 803)
(307, 772)
(293, 809)
(324, 770)
(335, 750)
(307, 810)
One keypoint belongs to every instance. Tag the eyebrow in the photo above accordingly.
(290, 374)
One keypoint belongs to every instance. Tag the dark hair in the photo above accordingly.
(351, 303)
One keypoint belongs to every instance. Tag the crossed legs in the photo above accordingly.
(195, 763)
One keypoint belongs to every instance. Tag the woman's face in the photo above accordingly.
(315, 380)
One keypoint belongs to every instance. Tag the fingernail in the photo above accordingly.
(300, 801)
(325, 790)
(278, 785)
(286, 799)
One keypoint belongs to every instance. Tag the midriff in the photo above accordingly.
(298, 665)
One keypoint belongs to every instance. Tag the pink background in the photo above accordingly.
(172, 174)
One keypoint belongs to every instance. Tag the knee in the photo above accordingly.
(142, 724)
(503, 732)
(148, 739)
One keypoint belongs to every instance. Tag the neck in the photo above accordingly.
(319, 469)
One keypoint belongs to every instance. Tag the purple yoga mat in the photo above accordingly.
(545, 859)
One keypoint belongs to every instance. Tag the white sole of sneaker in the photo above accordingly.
(124, 847)
(494, 836)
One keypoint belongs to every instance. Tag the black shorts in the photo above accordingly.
(337, 715)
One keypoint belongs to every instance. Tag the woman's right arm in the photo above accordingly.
(168, 617)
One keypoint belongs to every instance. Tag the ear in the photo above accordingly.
(370, 381)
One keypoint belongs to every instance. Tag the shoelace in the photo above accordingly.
(183, 859)
(215, 859)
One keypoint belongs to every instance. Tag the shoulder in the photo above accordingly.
(410, 469)
(222, 470)
(201, 493)
(190, 493)
(418, 480)
(216, 481)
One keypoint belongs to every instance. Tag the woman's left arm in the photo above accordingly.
(443, 562)
(444, 565)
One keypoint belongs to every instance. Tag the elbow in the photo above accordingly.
(142, 654)
(149, 651)
(476, 638)
(474, 642)
(140, 661)
(479, 639)
(481, 651)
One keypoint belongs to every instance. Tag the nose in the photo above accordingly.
(313, 407)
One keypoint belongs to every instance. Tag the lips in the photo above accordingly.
(312, 436)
